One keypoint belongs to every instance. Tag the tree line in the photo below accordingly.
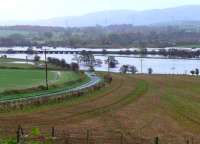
(107, 37)
(132, 69)
(62, 63)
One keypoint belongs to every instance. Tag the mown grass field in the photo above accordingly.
(141, 107)
(15, 63)
(12, 79)
(23, 64)
(19, 79)
(17, 84)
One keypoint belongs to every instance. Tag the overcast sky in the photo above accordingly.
(44, 9)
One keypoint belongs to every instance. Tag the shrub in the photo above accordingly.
(41, 87)
(35, 132)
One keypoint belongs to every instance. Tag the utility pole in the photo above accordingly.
(46, 69)
(108, 65)
(27, 59)
(141, 65)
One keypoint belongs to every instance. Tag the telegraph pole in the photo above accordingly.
(46, 69)
(108, 65)
(141, 65)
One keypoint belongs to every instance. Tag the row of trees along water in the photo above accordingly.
(144, 52)
(59, 63)
(62, 63)
(89, 60)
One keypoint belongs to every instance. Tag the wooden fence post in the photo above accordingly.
(19, 133)
(66, 137)
(87, 136)
(192, 140)
(121, 138)
(53, 131)
(156, 141)
(18, 136)
(21, 130)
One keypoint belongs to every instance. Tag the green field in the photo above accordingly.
(15, 63)
(12, 79)
(22, 64)
(191, 46)
(19, 79)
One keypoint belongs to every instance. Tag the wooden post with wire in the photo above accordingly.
(156, 140)
(46, 69)
(53, 131)
(19, 133)
(141, 62)
(122, 139)
(18, 136)
(87, 136)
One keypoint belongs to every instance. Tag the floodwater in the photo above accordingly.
(159, 65)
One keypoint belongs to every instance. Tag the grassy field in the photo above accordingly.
(191, 46)
(15, 63)
(12, 79)
(21, 80)
(141, 107)
(27, 81)
(23, 64)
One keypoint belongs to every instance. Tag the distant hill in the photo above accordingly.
(149, 17)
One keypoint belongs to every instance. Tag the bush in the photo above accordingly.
(35, 132)
(8, 141)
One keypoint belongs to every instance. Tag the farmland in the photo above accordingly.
(141, 107)
(16, 79)
(17, 84)
(20, 79)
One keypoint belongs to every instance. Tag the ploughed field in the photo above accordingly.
(140, 107)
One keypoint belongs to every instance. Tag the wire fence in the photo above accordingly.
(36, 101)
(87, 136)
